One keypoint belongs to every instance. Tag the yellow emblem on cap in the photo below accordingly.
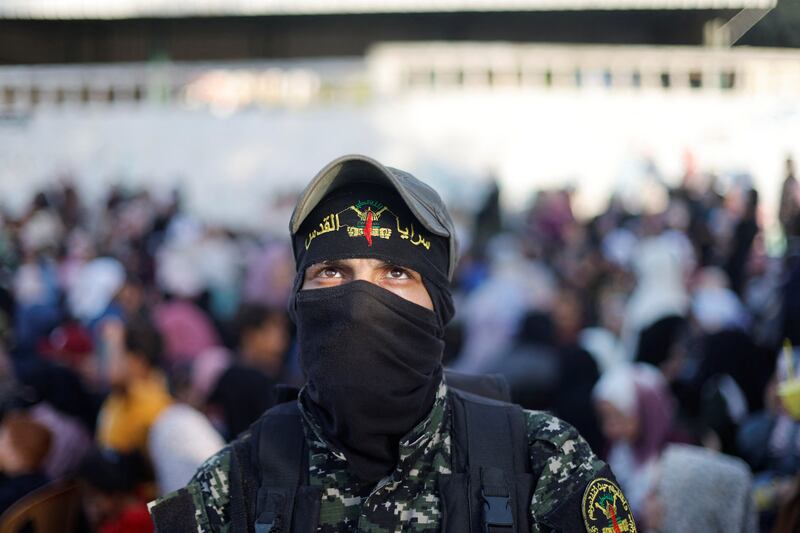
(367, 224)
(605, 509)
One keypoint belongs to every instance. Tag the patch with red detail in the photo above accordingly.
(605, 509)
(367, 219)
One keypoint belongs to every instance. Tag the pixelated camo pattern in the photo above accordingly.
(407, 501)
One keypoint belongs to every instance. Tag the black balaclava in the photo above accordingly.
(372, 360)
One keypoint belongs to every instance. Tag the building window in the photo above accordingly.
(608, 78)
(636, 79)
(696, 79)
(727, 79)
(666, 80)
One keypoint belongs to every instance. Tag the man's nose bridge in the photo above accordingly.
(364, 274)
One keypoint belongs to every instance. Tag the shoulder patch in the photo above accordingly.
(605, 509)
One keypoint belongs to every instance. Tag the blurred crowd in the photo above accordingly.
(135, 341)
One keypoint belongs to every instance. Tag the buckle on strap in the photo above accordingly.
(496, 513)
(274, 525)
(263, 528)
(271, 519)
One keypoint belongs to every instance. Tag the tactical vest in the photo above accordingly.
(489, 490)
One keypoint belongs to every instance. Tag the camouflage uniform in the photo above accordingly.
(407, 500)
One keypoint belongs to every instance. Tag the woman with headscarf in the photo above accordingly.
(636, 413)
(701, 490)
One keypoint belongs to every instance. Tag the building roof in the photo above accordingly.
(120, 9)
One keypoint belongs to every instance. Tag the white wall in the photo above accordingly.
(529, 138)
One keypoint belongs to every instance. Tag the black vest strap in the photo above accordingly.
(283, 466)
(491, 487)
(243, 487)
(493, 386)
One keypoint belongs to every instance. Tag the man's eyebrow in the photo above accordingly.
(333, 262)
(382, 263)
(336, 263)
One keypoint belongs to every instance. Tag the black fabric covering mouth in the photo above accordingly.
(365, 220)
(373, 363)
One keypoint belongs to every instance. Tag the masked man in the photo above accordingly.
(379, 438)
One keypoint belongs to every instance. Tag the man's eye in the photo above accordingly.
(398, 273)
(330, 273)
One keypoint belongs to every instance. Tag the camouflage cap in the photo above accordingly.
(421, 199)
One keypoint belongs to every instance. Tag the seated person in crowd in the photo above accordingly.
(263, 338)
(139, 391)
(637, 418)
(245, 389)
(24, 445)
(769, 440)
(110, 491)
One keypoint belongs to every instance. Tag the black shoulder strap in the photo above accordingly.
(490, 452)
(496, 432)
(282, 456)
(493, 386)
(243, 486)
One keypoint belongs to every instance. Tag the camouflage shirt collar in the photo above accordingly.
(427, 432)
(312, 428)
